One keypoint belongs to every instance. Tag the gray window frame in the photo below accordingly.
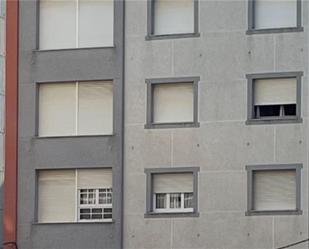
(150, 24)
(149, 113)
(250, 98)
(253, 30)
(271, 167)
(149, 191)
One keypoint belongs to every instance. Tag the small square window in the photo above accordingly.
(172, 192)
(274, 97)
(172, 18)
(274, 189)
(274, 16)
(172, 102)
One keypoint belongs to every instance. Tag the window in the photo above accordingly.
(172, 18)
(74, 195)
(274, 97)
(172, 102)
(79, 108)
(274, 16)
(173, 191)
(76, 23)
(274, 189)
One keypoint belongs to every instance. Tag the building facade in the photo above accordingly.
(157, 124)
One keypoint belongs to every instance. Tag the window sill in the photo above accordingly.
(72, 136)
(171, 215)
(172, 125)
(274, 212)
(171, 36)
(274, 30)
(70, 49)
(274, 121)
(73, 223)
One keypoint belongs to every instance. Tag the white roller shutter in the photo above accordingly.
(94, 178)
(57, 24)
(173, 103)
(56, 196)
(57, 109)
(173, 183)
(274, 190)
(275, 14)
(95, 108)
(173, 16)
(275, 91)
(96, 23)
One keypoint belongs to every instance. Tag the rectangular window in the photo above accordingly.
(174, 191)
(274, 97)
(76, 23)
(273, 189)
(171, 18)
(79, 108)
(275, 15)
(172, 102)
(74, 195)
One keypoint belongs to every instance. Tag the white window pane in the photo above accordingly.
(95, 108)
(160, 200)
(175, 200)
(57, 109)
(275, 14)
(173, 16)
(173, 103)
(173, 183)
(56, 196)
(57, 24)
(94, 178)
(96, 23)
(275, 190)
(275, 91)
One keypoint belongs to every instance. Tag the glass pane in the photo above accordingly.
(175, 200)
(188, 200)
(267, 111)
(289, 110)
(160, 200)
(85, 217)
(96, 216)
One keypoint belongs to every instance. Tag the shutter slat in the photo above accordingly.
(173, 183)
(174, 16)
(95, 110)
(275, 14)
(57, 109)
(275, 91)
(96, 23)
(275, 190)
(57, 24)
(56, 196)
(94, 178)
(173, 103)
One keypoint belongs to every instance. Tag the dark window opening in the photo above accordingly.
(275, 110)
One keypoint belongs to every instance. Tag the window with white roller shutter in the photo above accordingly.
(76, 23)
(173, 192)
(81, 195)
(79, 108)
(274, 189)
